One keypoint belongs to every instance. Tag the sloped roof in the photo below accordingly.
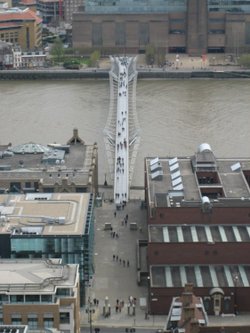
(25, 15)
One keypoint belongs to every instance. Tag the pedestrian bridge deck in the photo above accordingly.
(122, 130)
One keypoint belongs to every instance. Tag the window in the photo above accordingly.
(16, 319)
(63, 292)
(16, 298)
(33, 322)
(3, 298)
(64, 318)
(32, 298)
(46, 298)
(48, 322)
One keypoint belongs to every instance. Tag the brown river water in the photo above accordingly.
(175, 116)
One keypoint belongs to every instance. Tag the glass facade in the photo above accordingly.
(234, 6)
(134, 6)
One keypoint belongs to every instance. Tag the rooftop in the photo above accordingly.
(49, 163)
(37, 214)
(199, 233)
(185, 181)
(17, 15)
(25, 275)
(204, 276)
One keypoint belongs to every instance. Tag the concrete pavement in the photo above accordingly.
(112, 278)
(115, 281)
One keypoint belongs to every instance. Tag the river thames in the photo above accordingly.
(175, 116)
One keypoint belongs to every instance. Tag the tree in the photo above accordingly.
(161, 57)
(94, 58)
(150, 54)
(57, 49)
(245, 60)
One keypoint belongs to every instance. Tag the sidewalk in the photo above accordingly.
(114, 279)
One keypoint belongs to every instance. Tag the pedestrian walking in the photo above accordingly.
(113, 257)
(114, 213)
(127, 263)
(116, 258)
(123, 263)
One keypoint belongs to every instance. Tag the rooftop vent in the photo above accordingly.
(204, 147)
(206, 204)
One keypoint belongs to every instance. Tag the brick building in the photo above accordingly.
(21, 27)
(188, 26)
(198, 230)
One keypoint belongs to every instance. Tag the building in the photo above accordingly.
(71, 167)
(187, 315)
(71, 7)
(6, 55)
(186, 312)
(50, 11)
(21, 27)
(198, 230)
(41, 293)
(33, 59)
(49, 225)
(31, 4)
(187, 26)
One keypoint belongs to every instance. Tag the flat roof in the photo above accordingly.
(182, 233)
(204, 276)
(75, 165)
(44, 214)
(27, 276)
(231, 182)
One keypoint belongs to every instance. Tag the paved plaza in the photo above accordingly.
(116, 280)
(116, 277)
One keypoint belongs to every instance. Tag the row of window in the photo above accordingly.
(33, 322)
(34, 298)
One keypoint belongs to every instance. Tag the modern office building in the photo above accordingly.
(31, 167)
(187, 26)
(40, 293)
(70, 7)
(49, 225)
(198, 230)
(49, 10)
(21, 27)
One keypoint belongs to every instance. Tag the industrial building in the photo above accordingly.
(40, 293)
(198, 230)
(172, 26)
(31, 167)
(50, 225)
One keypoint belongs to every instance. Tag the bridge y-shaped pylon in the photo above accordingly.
(122, 130)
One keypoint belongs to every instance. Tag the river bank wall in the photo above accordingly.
(104, 74)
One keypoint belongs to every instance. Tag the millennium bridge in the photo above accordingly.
(121, 133)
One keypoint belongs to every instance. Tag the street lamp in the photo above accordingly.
(236, 280)
(90, 311)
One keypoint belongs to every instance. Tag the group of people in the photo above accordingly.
(121, 261)
(122, 123)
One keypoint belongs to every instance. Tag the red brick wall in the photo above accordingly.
(190, 215)
(198, 253)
